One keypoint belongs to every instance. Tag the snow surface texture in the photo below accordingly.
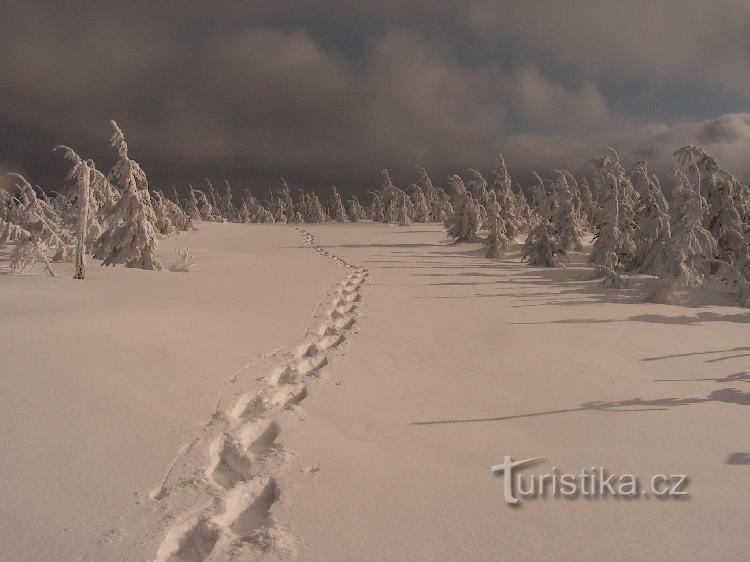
(234, 519)
(117, 443)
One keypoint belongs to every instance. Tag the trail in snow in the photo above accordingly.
(234, 517)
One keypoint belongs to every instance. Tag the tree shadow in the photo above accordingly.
(736, 377)
(694, 353)
(738, 459)
(725, 395)
(698, 319)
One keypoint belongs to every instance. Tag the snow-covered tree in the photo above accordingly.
(376, 208)
(131, 238)
(608, 240)
(37, 217)
(604, 167)
(543, 246)
(463, 223)
(315, 211)
(441, 207)
(226, 207)
(722, 191)
(428, 190)
(685, 258)
(163, 222)
(564, 212)
(497, 242)
(191, 205)
(336, 208)
(507, 202)
(355, 209)
(421, 211)
(651, 215)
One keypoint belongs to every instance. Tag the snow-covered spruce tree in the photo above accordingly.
(244, 215)
(723, 193)
(212, 209)
(651, 215)
(497, 242)
(163, 222)
(336, 208)
(477, 188)
(29, 250)
(209, 203)
(355, 209)
(523, 211)
(588, 205)
(564, 213)
(540, 201)
(176, 215)
(428, 189)
(191, 205)
(291, 204)
(685, 258)
(390, 197)
(442, 208)
(543, 246)
(125, 171)
(627, 197)
(463, 223)
(131, 238)
(506, 199)
(609, 239)
(32, 225)
(315, 211)
(37, 217)
(278, 209)
(226, 206)
(419, 202)
(376, 208)
(206, 211)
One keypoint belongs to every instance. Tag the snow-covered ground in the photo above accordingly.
(436, 363)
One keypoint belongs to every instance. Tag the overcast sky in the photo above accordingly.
(326, 92)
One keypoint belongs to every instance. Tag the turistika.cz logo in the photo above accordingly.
(590, 482)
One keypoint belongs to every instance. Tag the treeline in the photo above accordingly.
(701, 232)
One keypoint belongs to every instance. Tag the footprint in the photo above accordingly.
(249, 406)
(289, 395)
(339, 324)
(329, 342)
(341, 311)
(192, 540)
(247, 510)
(259, 435)
(230, 462)
(304, 366)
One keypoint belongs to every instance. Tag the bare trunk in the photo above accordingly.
(83, 221)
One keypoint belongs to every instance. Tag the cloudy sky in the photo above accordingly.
(326, 92)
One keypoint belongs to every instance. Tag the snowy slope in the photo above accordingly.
(461, 361)
(423, 365)
(103, 380)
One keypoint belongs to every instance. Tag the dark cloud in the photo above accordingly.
(328, 92)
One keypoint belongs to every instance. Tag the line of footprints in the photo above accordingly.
(243, 456)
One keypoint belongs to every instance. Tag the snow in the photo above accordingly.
(361, 408)
(105, 379)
